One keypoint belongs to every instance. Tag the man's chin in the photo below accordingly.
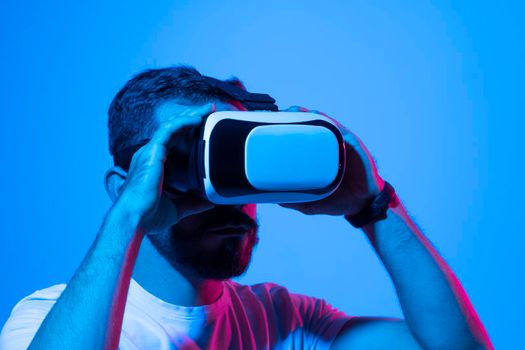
(231, 259)
(211, 256)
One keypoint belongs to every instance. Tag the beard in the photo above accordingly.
(188, 247)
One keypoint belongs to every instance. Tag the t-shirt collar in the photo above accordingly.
(138, 294)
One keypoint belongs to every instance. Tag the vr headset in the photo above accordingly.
(255, 156)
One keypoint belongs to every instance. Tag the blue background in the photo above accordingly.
(435, 89)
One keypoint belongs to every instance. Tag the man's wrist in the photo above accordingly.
(392, 209)
(364, 201)
(375, 209)
(123, 219)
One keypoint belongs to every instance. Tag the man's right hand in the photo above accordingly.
(142, 192)
(91, 307)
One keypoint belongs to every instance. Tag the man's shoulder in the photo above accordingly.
(27, 315)
(295, 310)
(49, 294)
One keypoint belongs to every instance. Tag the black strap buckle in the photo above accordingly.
(251, 101)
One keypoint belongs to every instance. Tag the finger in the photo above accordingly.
(319, 112)
(193, 117)
(291, 109)
(304, 208)
(164, 133)
(296, 206)
(193, 111)
(296, 109)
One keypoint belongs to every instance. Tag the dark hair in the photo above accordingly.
(130, 115)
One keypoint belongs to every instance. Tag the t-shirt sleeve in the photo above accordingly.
(322, 322)
(26, 317)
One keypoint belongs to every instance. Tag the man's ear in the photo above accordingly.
(113, 181)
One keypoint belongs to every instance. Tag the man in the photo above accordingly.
(181, 295)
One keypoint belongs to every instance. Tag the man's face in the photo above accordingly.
(214, 244)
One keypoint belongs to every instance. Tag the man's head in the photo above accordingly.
(134, 114)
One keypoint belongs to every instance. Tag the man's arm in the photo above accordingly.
(437, 310)
(89, 313)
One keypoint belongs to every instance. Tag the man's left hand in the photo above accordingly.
(360, 184)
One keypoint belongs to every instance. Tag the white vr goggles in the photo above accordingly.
(255, 156)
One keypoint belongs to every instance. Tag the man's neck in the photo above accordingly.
(161, 279)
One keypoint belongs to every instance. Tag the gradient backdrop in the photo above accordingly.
(434, 88)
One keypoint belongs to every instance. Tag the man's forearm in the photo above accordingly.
(436, 308)
(88, 314)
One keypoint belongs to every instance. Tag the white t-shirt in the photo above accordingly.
(261, 316)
